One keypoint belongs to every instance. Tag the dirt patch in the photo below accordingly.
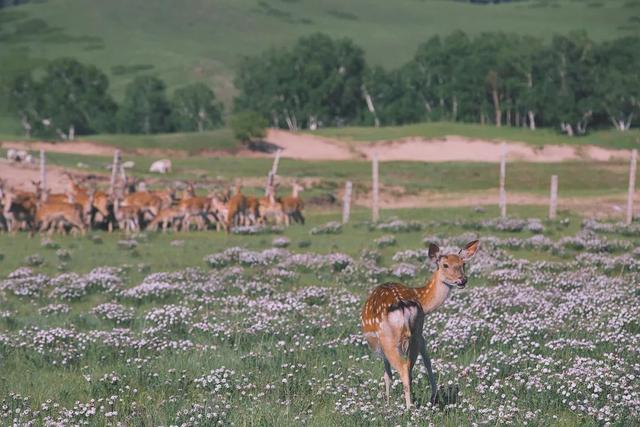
(308, 147)
(457, 149)
(76, 147)
(20, 176)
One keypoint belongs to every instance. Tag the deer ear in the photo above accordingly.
(434, 251)
(469, 250)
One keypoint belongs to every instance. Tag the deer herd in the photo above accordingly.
(133, 209)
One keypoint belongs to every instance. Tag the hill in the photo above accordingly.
(194, 40)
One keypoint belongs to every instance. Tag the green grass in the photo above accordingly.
(158, 255)
(605, 138)
(192, 143)
(202, 40)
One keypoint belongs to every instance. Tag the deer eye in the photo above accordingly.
(445, 265)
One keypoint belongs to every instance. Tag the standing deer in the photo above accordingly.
(393, 315)
(293, 205)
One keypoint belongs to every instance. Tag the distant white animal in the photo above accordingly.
(161, 166)
(129, 164)
(17, 155)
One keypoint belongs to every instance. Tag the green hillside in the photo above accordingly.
(194, 40)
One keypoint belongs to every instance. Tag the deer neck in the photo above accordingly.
(434, 293)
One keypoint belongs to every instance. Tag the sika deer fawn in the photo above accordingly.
(393, 315)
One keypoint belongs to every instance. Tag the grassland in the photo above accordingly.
(233, 345)
(191, 143)
(158, 255)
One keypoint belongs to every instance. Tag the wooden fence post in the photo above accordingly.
(346, 202)
(43, 177)
(632, 185)
(276, 161)
(553, 200)
(269, 186)
(375, 208)
(114, 172)
(503, 173)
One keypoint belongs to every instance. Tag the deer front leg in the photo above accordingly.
(427, 364)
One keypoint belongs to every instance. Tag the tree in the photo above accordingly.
(618, 88)
(248, 125)
(572, 78)
(25, 101)
(145, 108)
(317, 83)
(194, 107)
(72, 98)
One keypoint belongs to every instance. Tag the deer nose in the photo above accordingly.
(463, 282)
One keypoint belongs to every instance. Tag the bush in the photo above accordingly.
(248, 125)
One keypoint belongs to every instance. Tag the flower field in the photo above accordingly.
(546, 333)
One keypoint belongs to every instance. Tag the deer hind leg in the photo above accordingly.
(399, 336)
(388, 376)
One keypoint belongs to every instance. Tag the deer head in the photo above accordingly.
(451, 266)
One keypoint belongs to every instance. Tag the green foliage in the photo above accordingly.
(145, 108)
(195, 108)
(248, 125)
(317, 82)
(71, 98)
(494, 78)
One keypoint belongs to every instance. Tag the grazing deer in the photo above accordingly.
(145, 202)
(292, 205)
(252, 212)
(237, 206)
(271, 209)
(20, 210)
(219, 212)
(52, 215)
(393, 315)
(127, 217)
(196, 209)
(166, 217)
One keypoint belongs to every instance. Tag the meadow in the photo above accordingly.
(263, 329)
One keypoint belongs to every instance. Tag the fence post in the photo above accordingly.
(632, 185)
(503, 173)
(375, 209)
(43, 177)
(346, 203)
(276, 161)
(114, 172)
(269, 187)
(553, 200)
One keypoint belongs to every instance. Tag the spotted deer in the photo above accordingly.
(167, 217)
(292, 205)
(127, 217)
(236, 206)
(56, 215)
(393, 316)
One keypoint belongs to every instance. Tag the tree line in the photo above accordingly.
(73, 98)
(570, 83)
